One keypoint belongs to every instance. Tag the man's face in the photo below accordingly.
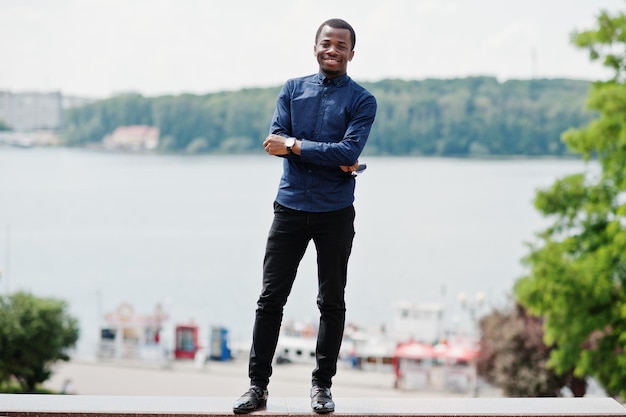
(333, 51)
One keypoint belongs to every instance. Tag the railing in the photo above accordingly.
(18, 405)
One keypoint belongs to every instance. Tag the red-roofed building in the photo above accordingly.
(137, 138)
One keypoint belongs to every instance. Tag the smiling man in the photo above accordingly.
(319, 129)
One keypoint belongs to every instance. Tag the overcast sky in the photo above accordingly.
(97, 48)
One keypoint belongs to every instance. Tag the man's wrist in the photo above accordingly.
(297, 147)
(289, 144)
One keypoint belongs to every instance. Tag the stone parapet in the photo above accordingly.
(22, 405)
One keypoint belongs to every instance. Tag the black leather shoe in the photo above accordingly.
(253, 399)
(322, 400)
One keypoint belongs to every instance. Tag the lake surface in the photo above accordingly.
(188, 232)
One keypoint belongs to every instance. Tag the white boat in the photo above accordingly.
(296, 343)
(295, 349)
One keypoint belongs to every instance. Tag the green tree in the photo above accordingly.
(454, 117)
(34, 334)
(198, 145)
(577, 269)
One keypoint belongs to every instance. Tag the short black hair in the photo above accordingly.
(337, 24)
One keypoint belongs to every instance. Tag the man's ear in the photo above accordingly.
(351, 55)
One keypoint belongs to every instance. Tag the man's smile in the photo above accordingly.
(331, 60)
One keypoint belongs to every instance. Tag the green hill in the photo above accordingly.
(475, 116)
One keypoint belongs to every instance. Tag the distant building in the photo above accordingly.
(136, 138)
(418, 321)
(27, 112)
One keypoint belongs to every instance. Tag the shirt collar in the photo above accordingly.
(337, 81)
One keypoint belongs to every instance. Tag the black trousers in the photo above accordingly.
(290, 233)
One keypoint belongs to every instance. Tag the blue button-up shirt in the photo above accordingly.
(332, 118)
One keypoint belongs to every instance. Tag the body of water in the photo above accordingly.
(188, 232)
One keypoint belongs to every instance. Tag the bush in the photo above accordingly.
(35, 333)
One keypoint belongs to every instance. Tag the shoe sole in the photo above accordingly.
(261, 406)
(323, 410)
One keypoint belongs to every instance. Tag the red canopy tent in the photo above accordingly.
(409, 357)
(414, 350)
(459, 353)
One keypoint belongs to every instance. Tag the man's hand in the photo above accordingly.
(349, 168)
(275, 145)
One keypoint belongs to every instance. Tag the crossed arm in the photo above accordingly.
(275, 145)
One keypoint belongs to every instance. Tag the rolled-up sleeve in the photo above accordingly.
(350, 146)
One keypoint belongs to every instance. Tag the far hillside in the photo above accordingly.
(475, 116)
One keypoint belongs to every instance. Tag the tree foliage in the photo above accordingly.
(578, 266)
(474, 116)
(34, 334)
(513, 356)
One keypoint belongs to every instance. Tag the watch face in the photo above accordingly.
(290, 142)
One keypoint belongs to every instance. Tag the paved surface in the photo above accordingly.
(222, 379)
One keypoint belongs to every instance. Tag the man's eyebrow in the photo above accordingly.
(328, 40)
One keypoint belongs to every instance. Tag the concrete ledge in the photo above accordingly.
(12, 405)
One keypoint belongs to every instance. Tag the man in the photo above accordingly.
(320, 126)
